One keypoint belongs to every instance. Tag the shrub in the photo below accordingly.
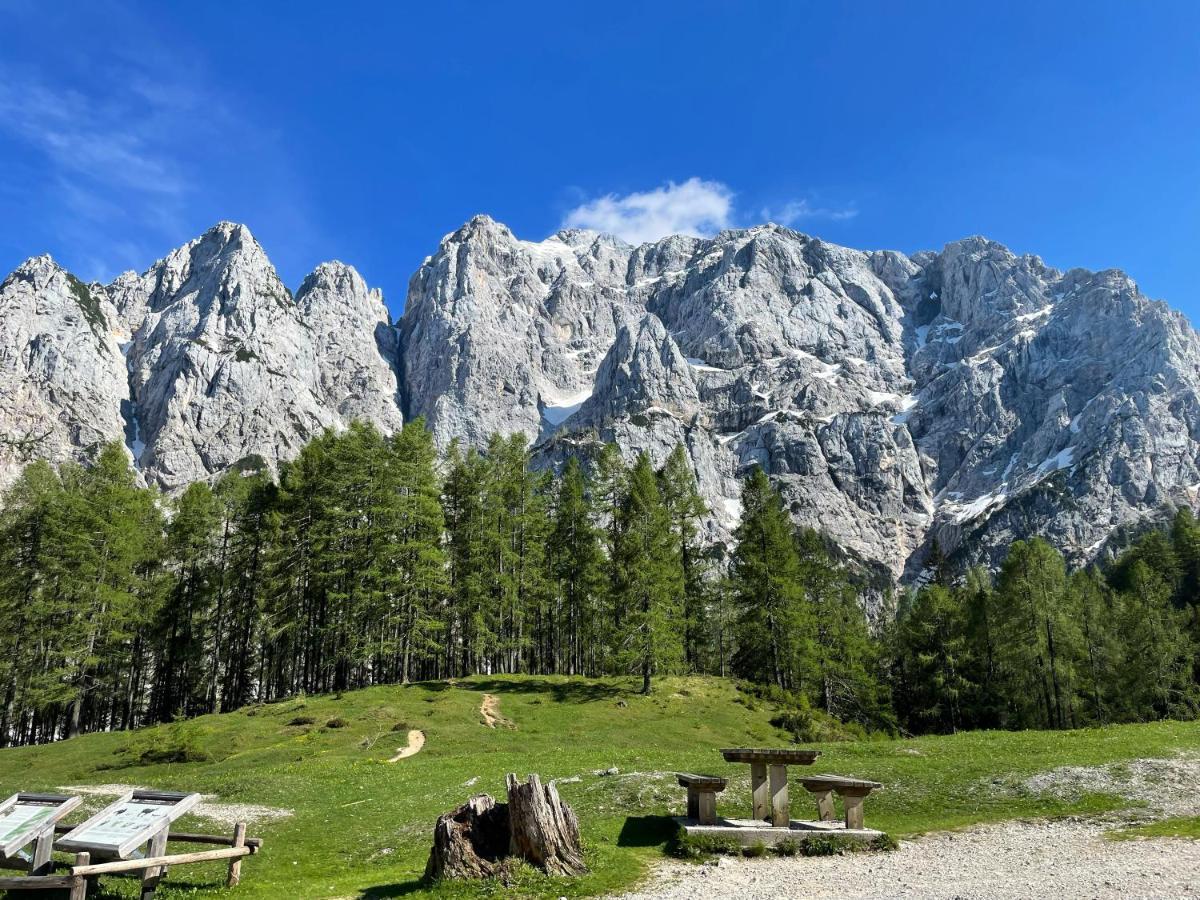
(337, 722)
(401, 726)
(821, 846)
(179, 742)
(755, 850)
(701, 846)
(302, 720)
(787, 847)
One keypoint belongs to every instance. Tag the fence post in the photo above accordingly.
(235, 864)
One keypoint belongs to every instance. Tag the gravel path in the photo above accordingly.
(1060, 859)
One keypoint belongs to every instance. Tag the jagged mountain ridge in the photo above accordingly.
(968, 396)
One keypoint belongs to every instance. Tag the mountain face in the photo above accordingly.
(203, 362)
(968, 397)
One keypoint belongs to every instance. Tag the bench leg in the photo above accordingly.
(693, 803)
(758, 789)
(824, 805)
(854, 811)
(707, 813)
(781, 813)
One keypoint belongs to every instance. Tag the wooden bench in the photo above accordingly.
(702, 793)
(852, 791)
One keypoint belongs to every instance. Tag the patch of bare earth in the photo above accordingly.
(416, 740)
(490, 711)
(1064, 858)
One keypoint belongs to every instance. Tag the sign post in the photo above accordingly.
(137, 818)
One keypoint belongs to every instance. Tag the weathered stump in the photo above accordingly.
(544, 830)
(470, 841)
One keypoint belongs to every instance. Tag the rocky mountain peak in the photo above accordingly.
(966, 396)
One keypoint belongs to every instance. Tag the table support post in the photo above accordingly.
(824, 805)
(781, 814)
(758, 790)
(854, 810)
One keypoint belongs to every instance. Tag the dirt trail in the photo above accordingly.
(416, 740)
(490, 710)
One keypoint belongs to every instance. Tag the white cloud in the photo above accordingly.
(695, 207)
(800, 210)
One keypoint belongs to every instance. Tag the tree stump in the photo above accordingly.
(544, 830)
(470, 841)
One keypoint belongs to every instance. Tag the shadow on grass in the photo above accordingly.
(400, 889)
(561, 692)
(647, 831)
(432, 686)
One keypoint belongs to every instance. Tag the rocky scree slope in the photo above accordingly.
(967, 397)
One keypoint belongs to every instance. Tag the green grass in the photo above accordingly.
(362, 827)
(1180, 827)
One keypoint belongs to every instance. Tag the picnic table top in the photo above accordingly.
(768, 755)
(833, 781)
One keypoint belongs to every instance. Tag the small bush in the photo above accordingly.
(701, 846)
(787, 847)
(302, 720)
(337, 722)
(885, 843)
(755, 850)
(177, 743)
(822, 846)
(401, 726)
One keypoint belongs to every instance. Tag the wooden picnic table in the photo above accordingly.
(768, 779)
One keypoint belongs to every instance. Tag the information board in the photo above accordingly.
(24, 816)
(123, 826)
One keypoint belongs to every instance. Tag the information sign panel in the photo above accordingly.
(23, 817)
(123, 826)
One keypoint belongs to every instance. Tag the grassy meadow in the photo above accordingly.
(361, 826)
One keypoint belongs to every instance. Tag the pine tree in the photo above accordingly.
(934, 658)
(417, 577)
(650, 578)
(1091, 601)
(685, 509)
(186, 624)
(577, 563)
(979, 602)
(774, 627)
(1156, 667)
(1036, 636)
(846, 662)
(107, 542)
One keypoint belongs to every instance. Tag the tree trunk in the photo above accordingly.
(545, 831)
(474, 840)
(469, 842)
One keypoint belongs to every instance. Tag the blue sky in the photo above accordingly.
(365, 132)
